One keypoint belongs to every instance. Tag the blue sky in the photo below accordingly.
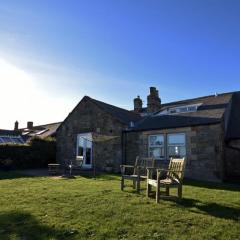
(58, 51)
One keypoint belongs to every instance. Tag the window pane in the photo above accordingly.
(183, 109)
(80, 141)
(173, 111)
(178, 139)
(177, 151)
(156, 140)
(88, 143)
(15, 140)
(192, 108)
(88, 156)
(156, 152)
(80, 151)
(6, 139)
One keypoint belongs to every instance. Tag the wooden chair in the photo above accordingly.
(139, 171)
(173, 178)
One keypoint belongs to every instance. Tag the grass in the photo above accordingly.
(83, 208)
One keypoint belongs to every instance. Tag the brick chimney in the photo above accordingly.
(29, 125)
(153, 101)
(137, 104)
(16, 126)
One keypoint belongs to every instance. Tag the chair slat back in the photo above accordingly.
(143, 163)
(176, 165)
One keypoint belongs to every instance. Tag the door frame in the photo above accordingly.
(87, 137)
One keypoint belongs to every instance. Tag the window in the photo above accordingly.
(176, 145)
(180, 109)
(11, 140)
(156, 146)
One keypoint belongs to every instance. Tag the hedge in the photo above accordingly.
(37, 153)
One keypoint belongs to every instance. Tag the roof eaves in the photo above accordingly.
(173, 127)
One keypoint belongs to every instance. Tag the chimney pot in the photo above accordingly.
(16, 126)
(153, 101)
(137, 104)
(29, 125)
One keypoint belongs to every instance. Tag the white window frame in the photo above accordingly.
(157, 146)
(88, 137)
(180, 109)
(176, 145)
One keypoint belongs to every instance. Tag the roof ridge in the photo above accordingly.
(42, 125)
(197, 98)
(123, 115)
(112, 105)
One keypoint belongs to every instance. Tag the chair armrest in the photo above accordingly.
(127, 166)
(123, 167)
(166, 170)
(151, 168)
(158, 169)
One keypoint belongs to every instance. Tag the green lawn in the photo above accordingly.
(84, 208)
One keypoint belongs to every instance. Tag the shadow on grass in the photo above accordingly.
(213, 209)
(197, 206)
(212, 185)
(25, 226)
(102, 176)
(11, 175)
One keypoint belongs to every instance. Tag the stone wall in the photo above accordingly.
(107, 131)
(232, 160)
(204, 150)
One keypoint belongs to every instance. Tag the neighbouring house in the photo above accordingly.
(29, 147)
(205, 130)
(22, 135)
(40, 131)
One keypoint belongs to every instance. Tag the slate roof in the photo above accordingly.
(210, 112)
(4, 132)
(121, 114)
(42, 131)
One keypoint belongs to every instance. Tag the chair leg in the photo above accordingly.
(180, 191)
(157, 193)
(167, 191)
(122, 183)
(134, 184)
(149, 188)
(138, 186)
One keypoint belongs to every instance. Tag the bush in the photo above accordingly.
(37, 153)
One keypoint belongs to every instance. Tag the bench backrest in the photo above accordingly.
(141, 165)
(178, 166)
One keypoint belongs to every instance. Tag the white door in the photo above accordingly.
(84, 149)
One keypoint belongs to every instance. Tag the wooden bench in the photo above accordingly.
(139, 172)
(54, 169)
(173, 178)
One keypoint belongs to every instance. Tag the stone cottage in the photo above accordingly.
(205, 130)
